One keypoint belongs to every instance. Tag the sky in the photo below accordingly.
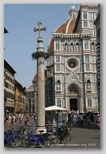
(21, 41)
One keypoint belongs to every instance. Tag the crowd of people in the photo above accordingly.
(11, 119)
(83, 119)
(73, 118)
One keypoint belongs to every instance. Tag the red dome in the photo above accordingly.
(65, 28)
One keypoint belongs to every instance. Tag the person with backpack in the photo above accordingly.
(70, 118)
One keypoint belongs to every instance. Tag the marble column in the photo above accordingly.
(40, 55)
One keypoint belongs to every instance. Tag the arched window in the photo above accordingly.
(58, 85)
(92, 46)
(72, 48)
(86, 45)
(57, 45)
(57, 58)
(66, 47)
(77, 46)
(88, 84)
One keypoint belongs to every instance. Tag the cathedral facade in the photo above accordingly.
(71, 66)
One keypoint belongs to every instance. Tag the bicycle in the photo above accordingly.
(12, 138)
(53, 139)
(64, 134)
(38, 140)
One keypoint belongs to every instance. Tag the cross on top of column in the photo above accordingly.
(39, 29)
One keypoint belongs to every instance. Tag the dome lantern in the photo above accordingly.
(73, 12)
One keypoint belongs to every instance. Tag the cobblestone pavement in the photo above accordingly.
(81, 137)
(84, 138)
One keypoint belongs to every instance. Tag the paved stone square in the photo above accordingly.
(81, 137)
(85, 138)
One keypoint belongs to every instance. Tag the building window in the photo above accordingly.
(58, 58)
(85, 23)
(93, 68)
(88, 84)
(84, 15)
(89, 102)
(72, 63)
(66, 47)
(59, 102)
(94, 78)
(77, 46)
(58, 85)
(92, 46)
(94, 59)
(86, 58)
(92, 16)
(86, 45)
(95, 102)
(87, 67)
(58, 68)
(57, 45)
(71, 47)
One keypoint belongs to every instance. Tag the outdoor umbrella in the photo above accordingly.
(55, 108)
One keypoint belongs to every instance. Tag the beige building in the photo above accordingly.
(9, 87)
(19, 106)
(14, 92)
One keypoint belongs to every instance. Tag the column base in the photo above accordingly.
(39, 128)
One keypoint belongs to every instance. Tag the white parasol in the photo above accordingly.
(55, 108)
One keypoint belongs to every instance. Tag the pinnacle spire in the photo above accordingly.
(73, 12)
(73, 7)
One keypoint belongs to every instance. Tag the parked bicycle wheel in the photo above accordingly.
(66, 135)
(53, 140)
(16, 141)
(67, 139)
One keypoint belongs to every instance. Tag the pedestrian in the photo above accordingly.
(70, 118)
(6, 120)
(21, 118)
(9, 119)
(95, 119)
(98, 119)
(81, 119)
(27, 119)
(13, 120)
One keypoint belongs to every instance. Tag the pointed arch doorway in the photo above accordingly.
(74, 97)
(73, 104)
